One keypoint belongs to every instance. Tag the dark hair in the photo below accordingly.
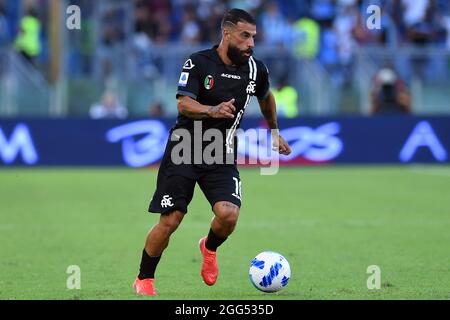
(32, 12)
(237, 15)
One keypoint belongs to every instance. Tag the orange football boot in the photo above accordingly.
(210, 270)
(145, 287)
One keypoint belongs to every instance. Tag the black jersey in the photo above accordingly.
(207, 79)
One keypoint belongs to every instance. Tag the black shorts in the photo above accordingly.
(176, 184)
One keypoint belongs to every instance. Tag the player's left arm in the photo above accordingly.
(269, 110)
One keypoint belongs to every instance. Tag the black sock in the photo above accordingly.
(148, 266)
(213, 241)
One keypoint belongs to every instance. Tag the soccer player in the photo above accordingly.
(215, 87)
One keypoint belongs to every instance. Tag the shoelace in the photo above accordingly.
(210, 257)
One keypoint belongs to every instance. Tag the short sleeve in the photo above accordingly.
(189, 81)
(262, 81)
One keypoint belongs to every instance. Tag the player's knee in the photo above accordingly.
(170, 222)
(232, 218)
(228, 214)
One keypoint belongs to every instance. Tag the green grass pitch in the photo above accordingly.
(331, 223)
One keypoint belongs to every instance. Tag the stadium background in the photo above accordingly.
(331, 222)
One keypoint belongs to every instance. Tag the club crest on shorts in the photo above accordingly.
(209, 82)
(166, 201)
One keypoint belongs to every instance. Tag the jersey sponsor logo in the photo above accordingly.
(188, 65)
(209, 82)
(251, 87)
(166, 201)
(230, 76)
(183, 79)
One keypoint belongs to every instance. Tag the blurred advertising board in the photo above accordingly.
(141, 142)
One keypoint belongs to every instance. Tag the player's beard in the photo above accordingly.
(238, 56)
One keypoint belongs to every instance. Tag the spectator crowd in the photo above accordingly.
(323, 29)
(327, 31)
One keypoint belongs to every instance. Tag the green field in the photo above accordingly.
(330, 223)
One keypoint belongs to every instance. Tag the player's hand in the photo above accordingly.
(223, 110)
(279, 144)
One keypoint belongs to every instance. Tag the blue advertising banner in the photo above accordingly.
(141, 142)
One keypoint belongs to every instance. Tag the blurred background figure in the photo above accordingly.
(276, 30)
(190, 29)
(423, 29)
(4, 32)
(389, 94)
(108, 107)
(306, 38)
(157, 110)
(27, 41)
(286, 97)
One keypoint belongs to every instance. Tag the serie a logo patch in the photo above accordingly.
(209, 82)
(183, 79)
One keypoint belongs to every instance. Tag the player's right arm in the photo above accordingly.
(188, 91)
(193, 109)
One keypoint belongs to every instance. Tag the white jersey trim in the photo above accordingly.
(232, 130)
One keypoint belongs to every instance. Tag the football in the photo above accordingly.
(269, 271)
